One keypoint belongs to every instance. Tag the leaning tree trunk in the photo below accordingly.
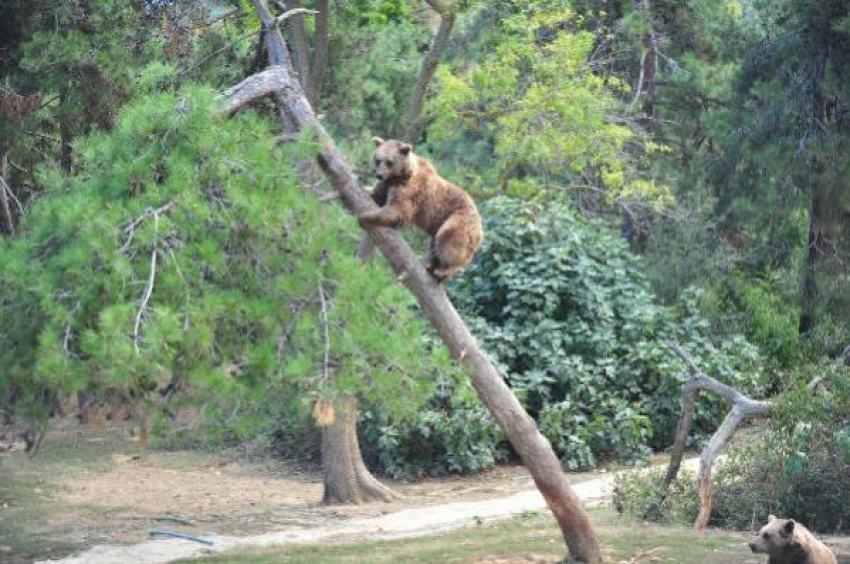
(533, 448)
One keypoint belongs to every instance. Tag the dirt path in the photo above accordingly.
(412, 521)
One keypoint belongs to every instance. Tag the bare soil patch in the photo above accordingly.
(94, 487)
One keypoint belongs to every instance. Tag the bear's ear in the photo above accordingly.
(378, 141)
(788, 528)
(405, 149)
(771, 518)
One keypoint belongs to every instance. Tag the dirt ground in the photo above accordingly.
(95, 487)
(234, 495)
(100, 489)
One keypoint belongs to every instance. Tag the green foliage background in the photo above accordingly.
(250, 289)
(151, 246)
(563, 306)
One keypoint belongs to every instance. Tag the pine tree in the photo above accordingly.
(182, 254)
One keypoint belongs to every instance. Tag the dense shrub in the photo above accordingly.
(562, 305)
(453, 433)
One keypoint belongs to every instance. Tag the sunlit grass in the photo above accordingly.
(530, 538)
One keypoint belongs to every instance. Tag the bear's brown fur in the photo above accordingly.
(787, 542)
(411, 192)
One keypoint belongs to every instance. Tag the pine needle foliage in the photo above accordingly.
(184, 252)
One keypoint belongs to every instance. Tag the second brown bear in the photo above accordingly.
(411, 192)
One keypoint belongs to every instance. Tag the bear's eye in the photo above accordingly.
(765, 535)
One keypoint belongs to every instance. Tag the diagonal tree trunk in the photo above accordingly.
(533, 448)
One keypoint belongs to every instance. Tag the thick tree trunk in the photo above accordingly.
(346, 478)
(299, 46)
(533, 448)
(319, 64)
(429, 67)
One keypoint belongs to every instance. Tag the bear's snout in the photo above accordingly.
(753, 547)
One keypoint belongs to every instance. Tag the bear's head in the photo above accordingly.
(775, 537)
(394, 160)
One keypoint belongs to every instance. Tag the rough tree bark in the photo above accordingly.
(447, 11)
(311, 69)
(533, 448)
(743, 408)
(346, 478)
(319, 63)
(299, 47)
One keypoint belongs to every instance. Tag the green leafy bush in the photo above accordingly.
(563, 306)
(453, 433)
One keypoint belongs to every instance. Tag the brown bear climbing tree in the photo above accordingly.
(415, 194)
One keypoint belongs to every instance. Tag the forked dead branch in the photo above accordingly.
(743, 409)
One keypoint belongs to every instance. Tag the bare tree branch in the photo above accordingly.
(743, 408)
(294, 12)
(145, 299)
(254, 87)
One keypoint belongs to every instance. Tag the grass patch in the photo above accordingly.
(532, 538)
